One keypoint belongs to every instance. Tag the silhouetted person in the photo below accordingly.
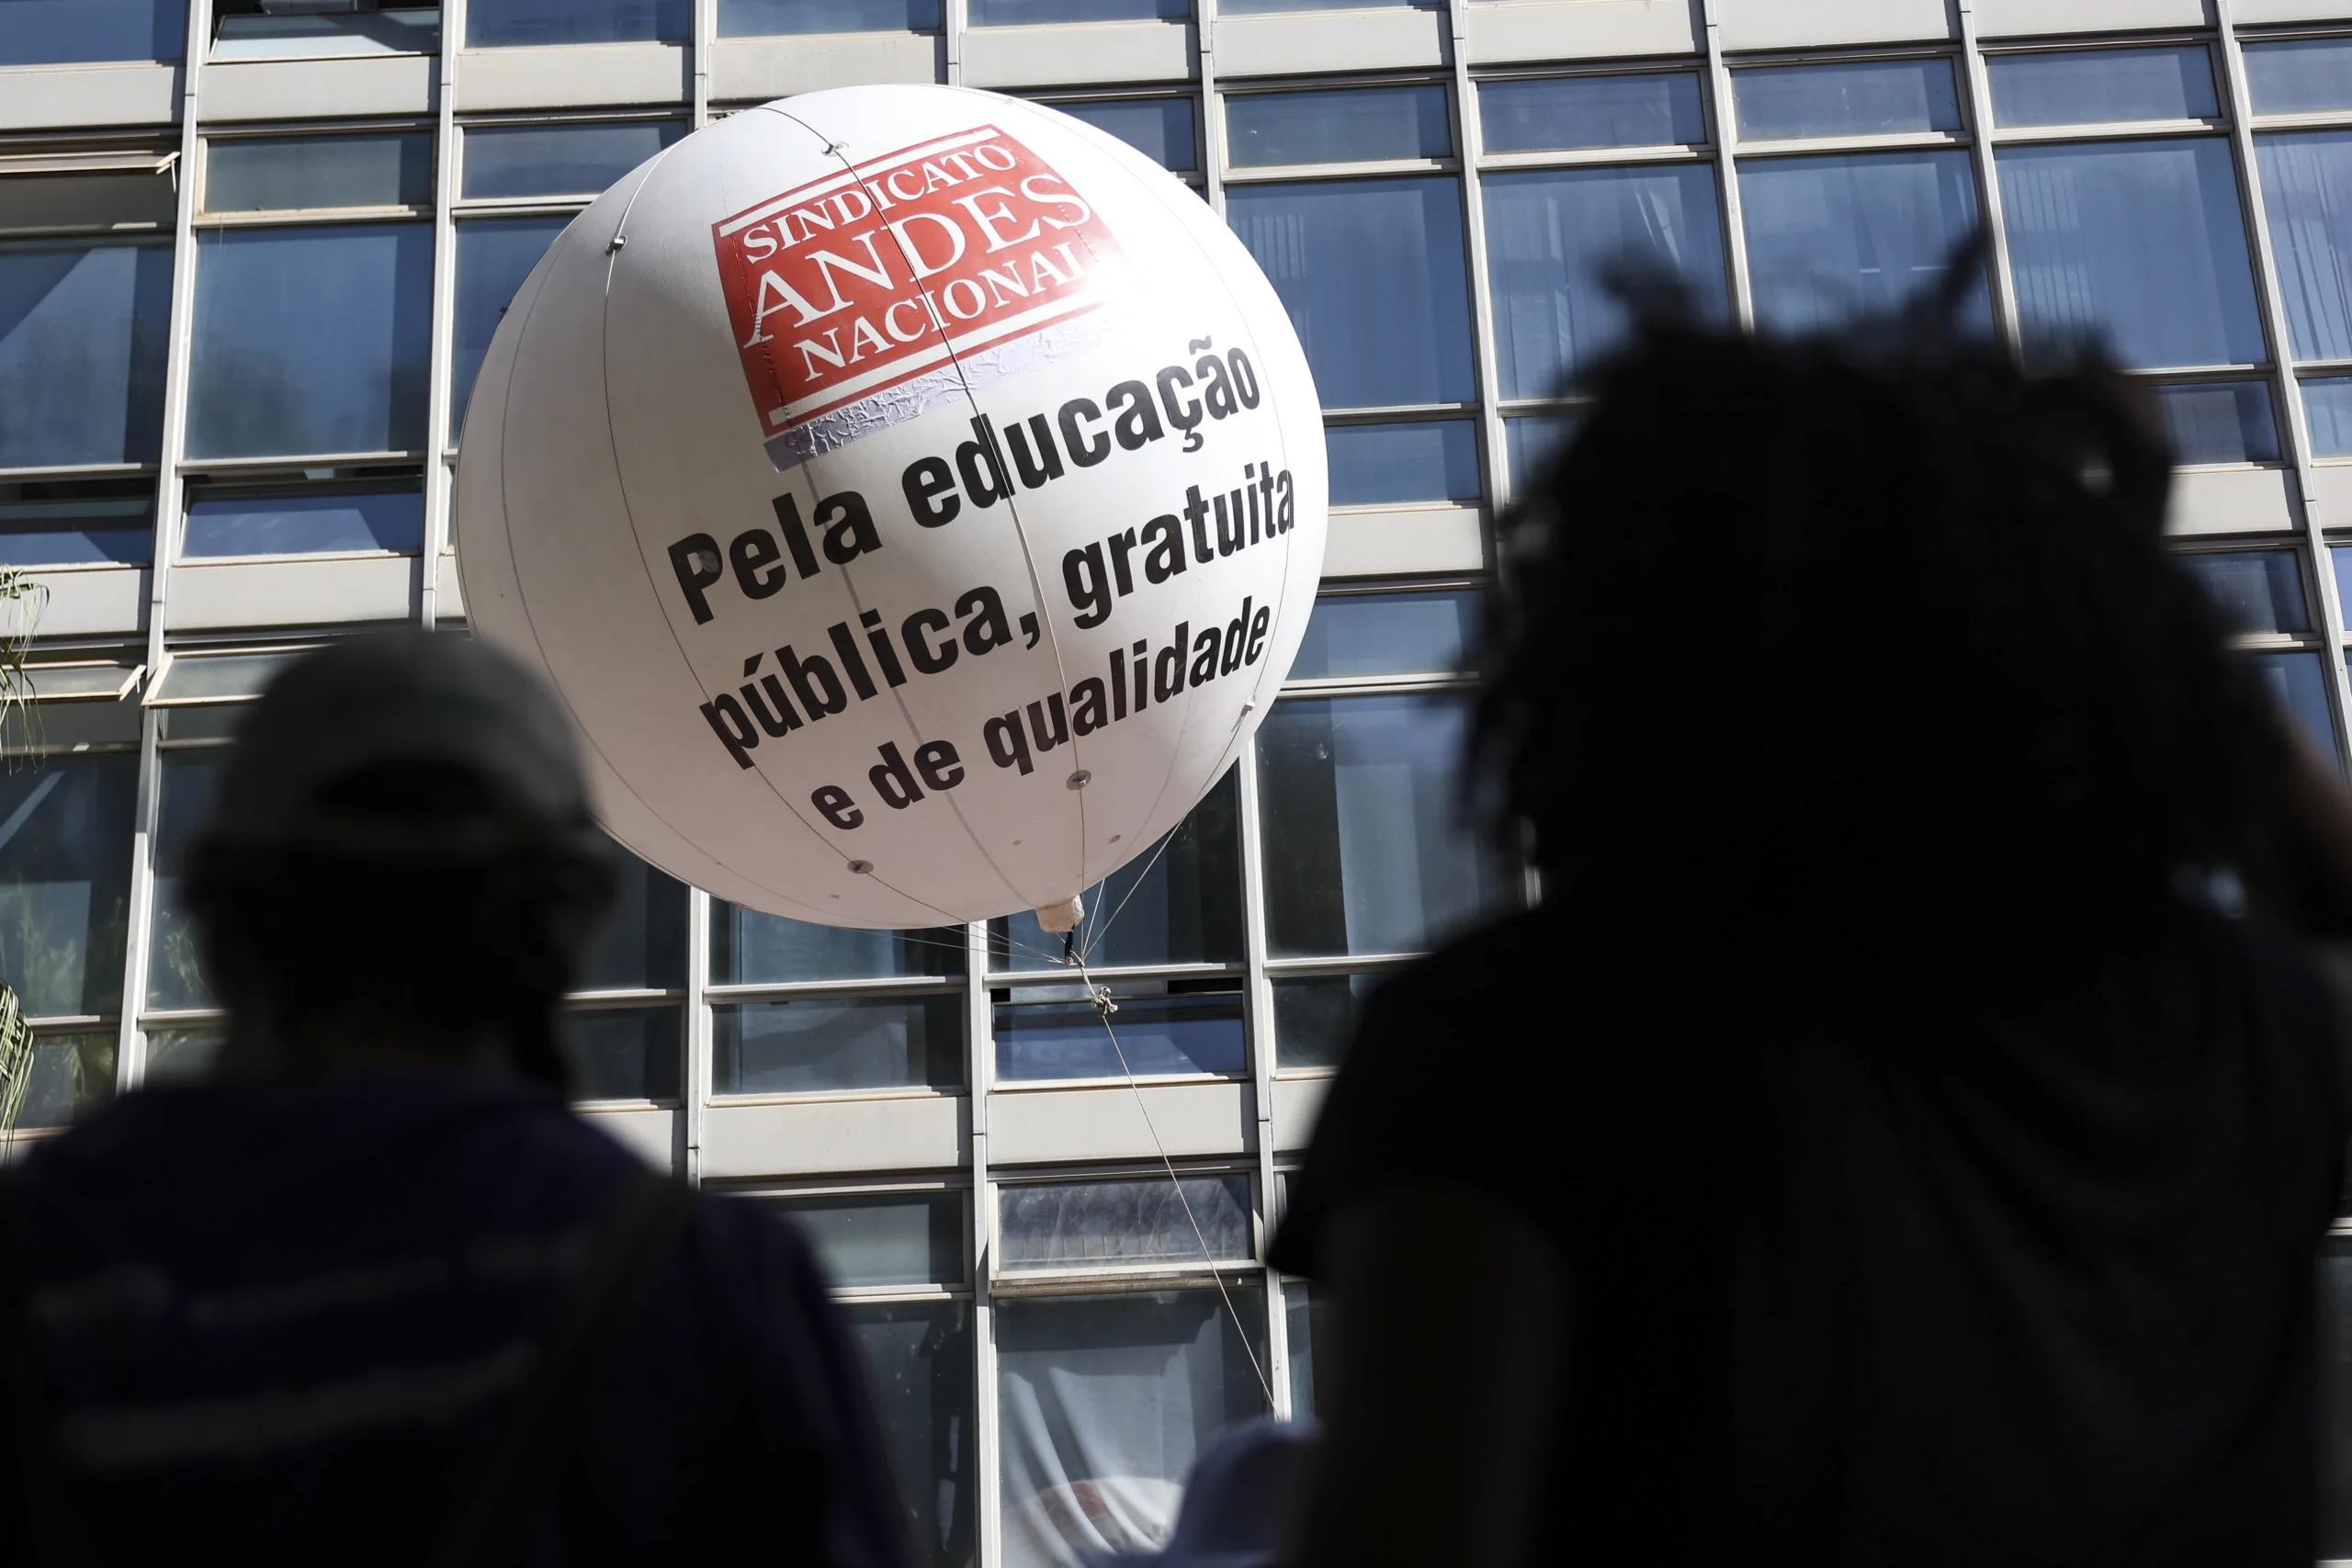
(1898, 1138)
(374, 1294)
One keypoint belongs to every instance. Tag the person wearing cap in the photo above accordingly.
(373, 1294)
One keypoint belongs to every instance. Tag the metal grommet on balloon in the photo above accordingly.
(861, 868)
(1080, 779)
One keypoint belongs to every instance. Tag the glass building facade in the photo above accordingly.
(251, 260)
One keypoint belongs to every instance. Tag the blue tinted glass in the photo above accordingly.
(1371, 274)
(1161, 1036)
(1529, 441)
(326, 35)
(2307, 194)
(494, 23)
(66, 827)
(175, 967)
(1871, 97)
(2342, 556)
(1387, 465)
(1177, 902)
(750, 948)
(1831, 238)
(82, 335)
(2327, 404)
(1023, 13)
(1160, 129)
(1357, 125)
(2258, 592)
(1655, 110)
(624, 1053)
(2138, 242)
(1354, 635)
(305, 524)
(561, 160)
(2219, 421)
(63, 32)
(825, 1044)
(311, 340)
(2301, 76)
(751, 19)
(279, 174)
(2297, 683)
(494, 256)
(76, 525)
(1550, 236)
(2102, 86)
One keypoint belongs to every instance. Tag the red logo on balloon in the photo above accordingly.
(862, 281)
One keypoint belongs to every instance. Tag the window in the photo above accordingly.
(1400, 465)
(751, 948)
(507, 161)
(2259, 593)
(870, 1239)
(1162, 129)
(2327, 405)
(2101, 87)
(624, 1053)
(1303, 1309)
(286, 174)
(2300, 76)
(67, 32)
(1025, 13)
(252, 34)
(185, 785)
(66, 827)
(2307, 196)
(1570, 112)
(1531, 441)
(1352, 126)
(494, 24)
(823, 1045)
(1194, 1220)
(90, 523)
(644, 942)
(1831, 237)
(494, 256)
(1356, 635)
(2297, 683)
(745, 18)
(1250, 7)
(1049, 1033)
(230, 521)
(633, 1052)
(83, 327)
(1315, 1017)
(1875, 97)
(71, 1073)
(918, 1355)
(2219, 421)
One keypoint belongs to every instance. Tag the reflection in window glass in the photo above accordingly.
(1073, 1224)
(624, 1053)
(748, 948)
(305, 523)
(1869, 98)
(1351, 126)
(2327, 405)
(184, 787)
(754, 18)
(1832, 238)
(182, 1055)
(1177, 902)
(278, 174)
(66, 827)
(1354, 635)
(82, 336)
(2138, 241)
(1160, 129)
(2307, 196)
(1167, 1036)
(2219, 421)
(491, 24)
(68, 32)
(351, 34)
(77, 525)
(644, 943)
(1550, 236)
(830, 1044)
(1248, 8)
(2300, 76)
(2297, 683)
(884, 1239)
(1303, 1312)
(2256, 591)
(1103, 1403)
(2342, 556)
(1361, 792)
(1371, 274)
(917, 1361)
(1315, 1019)
(71, 1074)
(1566, 112)
(1530, 441)
(559, 159)
(494, 256)
(1025, 13)
(2100, 87)
(1394, 465)
(311, 340)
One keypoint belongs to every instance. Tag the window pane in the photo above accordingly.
(1248, 8)
(1315, 1020)
(644, 942)
(1873, 97)
(219, 677)
(71, 1074)
(2327, 405)
(2342, 556)
(2219, 421)
(1179, 902)
(345, 36)
(65, 825)
(494, 256)
(65, 32)
(82, 337)
(1367, 851)
(1158, 1036)
(1104, 1403)
(1389, 465)
(1832, 238)
(1656, 110)
(2297, 683)
(107, 200)
(1388, 633)
(826, 1045)
(284, 173)
(1160, 129)
(884, 1239)
(2139, 241)
(305, 523)
(1358, 125)
(2301, 76)
(624, 1053)
(494, 23)
(1529, 441)
(747, 18)
(748, 948)
(186, 786)
(182, 1055)
(1072, 1225)
(1371, 274)
(2102, 85)
(311, 340)
(1550, 237)
(2259, 590)
(2307, 193)
(77, 525)
(561, 160)
(1023, 13)
(918, 1360)
(1302, 1313)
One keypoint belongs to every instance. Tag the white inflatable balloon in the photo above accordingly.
(917, 495)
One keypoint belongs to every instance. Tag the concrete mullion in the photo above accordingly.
(1743, 306)
(696, 1075)
(706, 40)
(1976, 82)
(441, 393)
(979, 1077)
